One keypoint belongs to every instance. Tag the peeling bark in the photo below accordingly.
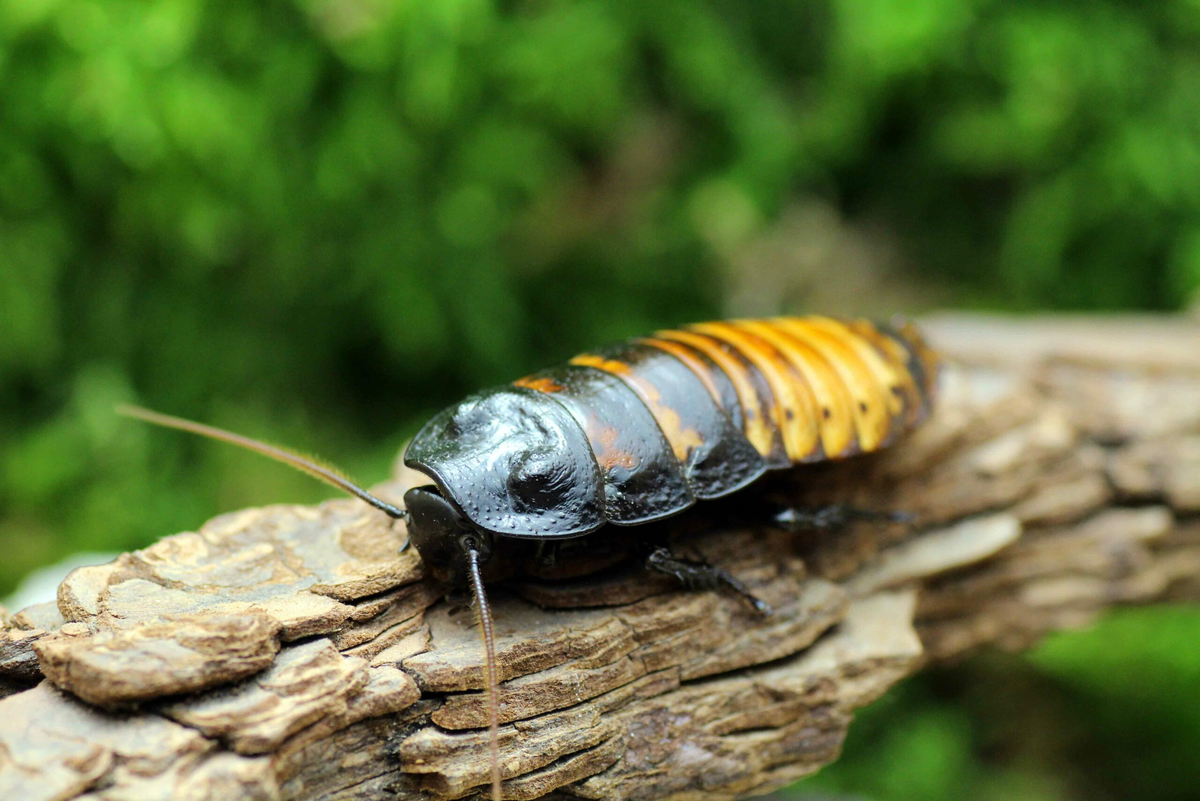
(293, 653)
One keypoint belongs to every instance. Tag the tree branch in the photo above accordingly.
(292, 652)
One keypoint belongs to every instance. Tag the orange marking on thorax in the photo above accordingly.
(543, 384)
(795, 408)
(681, 439)
(756, 428)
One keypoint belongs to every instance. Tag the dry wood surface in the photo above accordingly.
(291, 652)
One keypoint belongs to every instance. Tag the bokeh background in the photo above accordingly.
(318, 221)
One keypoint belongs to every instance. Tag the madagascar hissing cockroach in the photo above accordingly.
(637, 432)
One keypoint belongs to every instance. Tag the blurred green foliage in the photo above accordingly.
(319, 220)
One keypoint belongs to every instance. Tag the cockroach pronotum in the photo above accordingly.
(637, 432)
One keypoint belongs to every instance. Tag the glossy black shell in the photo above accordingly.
(643, 429)
(515, 463)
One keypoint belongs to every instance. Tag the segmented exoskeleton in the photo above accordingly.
(641, 430)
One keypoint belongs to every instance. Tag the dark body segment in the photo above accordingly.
(714, 379)
(717, 458)
(515, 462)
(756, 403)
(643, 480)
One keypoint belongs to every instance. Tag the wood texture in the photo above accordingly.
(293, 653)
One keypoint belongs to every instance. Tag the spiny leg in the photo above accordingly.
(823, 518)
(700, 575)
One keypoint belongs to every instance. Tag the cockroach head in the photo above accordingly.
(442, 535)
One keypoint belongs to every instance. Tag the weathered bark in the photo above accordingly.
(291, 652)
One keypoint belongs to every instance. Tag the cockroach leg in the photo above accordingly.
(701, 576)
(801, 518)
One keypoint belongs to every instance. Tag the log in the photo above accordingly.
(293, 652)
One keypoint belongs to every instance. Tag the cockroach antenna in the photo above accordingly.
(493, 684)
(330, 475)
(334, 477)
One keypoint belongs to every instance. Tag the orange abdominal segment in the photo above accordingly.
(795, 408)
(757, 427)
(834, 406)
(871, 417)
(813, 387)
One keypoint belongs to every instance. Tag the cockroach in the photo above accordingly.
(637, 432)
